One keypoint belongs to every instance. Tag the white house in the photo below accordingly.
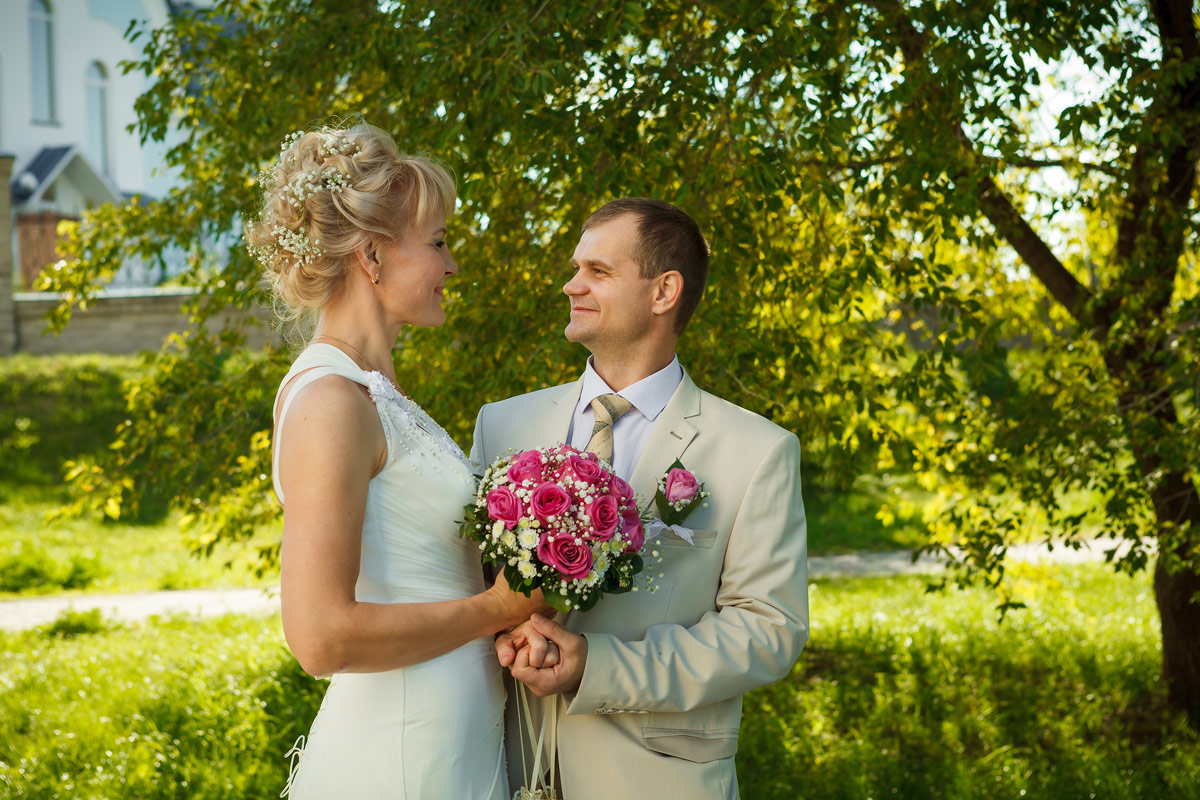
(65, 110)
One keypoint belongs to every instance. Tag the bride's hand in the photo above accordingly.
(514, 607)
(541, 651)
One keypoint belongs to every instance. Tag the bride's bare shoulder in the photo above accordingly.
(331, 404)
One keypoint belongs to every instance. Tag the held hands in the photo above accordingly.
(543, 655)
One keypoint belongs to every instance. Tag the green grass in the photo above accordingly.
(898, 694)
(906, 694)
(170, 709)
(90, 555)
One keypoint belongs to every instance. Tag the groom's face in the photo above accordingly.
(610, 300)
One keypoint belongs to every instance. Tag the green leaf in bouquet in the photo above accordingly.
(557, 601)
(518, 583)
(468, 528)
(589, 602)
(617, 588)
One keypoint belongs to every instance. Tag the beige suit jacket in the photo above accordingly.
(658, 709)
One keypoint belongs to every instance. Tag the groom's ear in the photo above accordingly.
(668, 289)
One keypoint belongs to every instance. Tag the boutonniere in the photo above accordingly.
(679, 492)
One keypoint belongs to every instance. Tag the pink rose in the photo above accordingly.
(590, 472)
(605, 517)
(560, 551)
(504, 505)
(622, 490)
(549, 500)
(681, 486)
(526, 466)
(633, 531)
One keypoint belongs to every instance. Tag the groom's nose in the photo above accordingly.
(574, 286)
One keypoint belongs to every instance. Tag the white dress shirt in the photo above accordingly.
(649, 397)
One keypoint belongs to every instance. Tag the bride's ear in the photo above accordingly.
(368, 262)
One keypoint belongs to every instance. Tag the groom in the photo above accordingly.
(648, 686)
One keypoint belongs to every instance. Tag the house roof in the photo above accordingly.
(28, 185)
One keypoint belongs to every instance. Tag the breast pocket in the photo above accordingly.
(700, 538)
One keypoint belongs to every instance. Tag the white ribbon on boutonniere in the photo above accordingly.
(656, 527)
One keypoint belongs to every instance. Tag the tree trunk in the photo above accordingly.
(1180, 617)
(1177, 594)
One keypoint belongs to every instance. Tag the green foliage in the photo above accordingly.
(900, 694)
(896, 690)
(58, 408)
(72, 623)
(919, 262)
(31, 569)
(840, 159)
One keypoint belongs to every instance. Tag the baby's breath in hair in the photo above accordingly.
(300, 188)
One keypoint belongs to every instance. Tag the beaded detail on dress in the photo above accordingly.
(386, 397)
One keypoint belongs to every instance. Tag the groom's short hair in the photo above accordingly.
(668, 239)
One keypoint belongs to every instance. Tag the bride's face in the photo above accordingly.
(413, 272)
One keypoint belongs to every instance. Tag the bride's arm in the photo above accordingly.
(331, 444)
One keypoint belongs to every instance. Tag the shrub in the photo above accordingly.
(32, 569)
(72, 623)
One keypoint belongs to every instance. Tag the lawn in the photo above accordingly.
(899, 693)
(58, 408)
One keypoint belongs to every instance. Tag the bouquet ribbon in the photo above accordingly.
(536, 786)
(656, 527)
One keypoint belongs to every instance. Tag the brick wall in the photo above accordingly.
(37, 236)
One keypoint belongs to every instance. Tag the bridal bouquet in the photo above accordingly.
(559, 519)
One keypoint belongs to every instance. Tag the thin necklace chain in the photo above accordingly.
(361, 357)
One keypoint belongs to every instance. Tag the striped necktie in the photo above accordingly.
(608, 409)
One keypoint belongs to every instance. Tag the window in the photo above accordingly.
(97, 115)
(41, 48)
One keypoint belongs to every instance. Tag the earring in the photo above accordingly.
(376, 280)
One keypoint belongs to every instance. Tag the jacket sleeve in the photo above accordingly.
(754, 636)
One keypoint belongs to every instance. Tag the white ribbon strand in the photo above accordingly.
(656, 527)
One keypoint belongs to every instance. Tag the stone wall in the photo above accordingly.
(8, 315)
(115, 322)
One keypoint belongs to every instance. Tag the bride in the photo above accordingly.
(378, 589)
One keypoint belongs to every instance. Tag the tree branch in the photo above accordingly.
(1009, 223)
(999, 210)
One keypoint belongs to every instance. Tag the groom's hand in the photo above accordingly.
(561, 677)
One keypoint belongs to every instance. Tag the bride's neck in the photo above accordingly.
(362, 337)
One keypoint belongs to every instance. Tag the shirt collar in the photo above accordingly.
(650, 395)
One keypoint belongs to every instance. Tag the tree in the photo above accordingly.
(916, 259)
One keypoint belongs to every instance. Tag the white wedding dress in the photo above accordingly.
(434, 729)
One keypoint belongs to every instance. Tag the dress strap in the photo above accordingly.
(317, 361)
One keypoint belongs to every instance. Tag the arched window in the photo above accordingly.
(41, 49)
(97, 115)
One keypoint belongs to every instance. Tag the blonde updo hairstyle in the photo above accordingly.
(331, 191)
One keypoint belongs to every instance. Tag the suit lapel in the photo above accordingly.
(548, 425)
(672, 433)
